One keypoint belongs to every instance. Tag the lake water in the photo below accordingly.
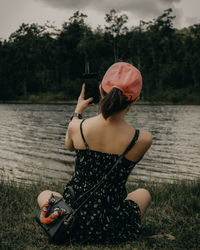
(32, 142)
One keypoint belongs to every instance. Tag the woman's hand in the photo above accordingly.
(82, 104)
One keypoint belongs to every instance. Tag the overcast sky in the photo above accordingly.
(14, 12)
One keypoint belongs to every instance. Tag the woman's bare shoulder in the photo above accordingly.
(145, 137)
(142, 145)
(145, 140)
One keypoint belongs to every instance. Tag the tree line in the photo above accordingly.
(44, 62)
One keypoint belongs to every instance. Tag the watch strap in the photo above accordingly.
(78, 115)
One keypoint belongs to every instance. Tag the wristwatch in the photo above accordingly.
(76, 115)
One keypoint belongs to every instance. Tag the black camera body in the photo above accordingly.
(91, 86)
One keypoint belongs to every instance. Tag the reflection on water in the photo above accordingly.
(32, 142)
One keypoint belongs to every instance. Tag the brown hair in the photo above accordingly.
(113, 102)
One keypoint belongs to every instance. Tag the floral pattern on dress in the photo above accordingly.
(107, 216)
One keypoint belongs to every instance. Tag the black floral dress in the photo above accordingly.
(107, 216)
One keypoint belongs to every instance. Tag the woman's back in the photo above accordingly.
(107, 206)
(109, 136)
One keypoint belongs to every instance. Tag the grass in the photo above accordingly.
(172, 220)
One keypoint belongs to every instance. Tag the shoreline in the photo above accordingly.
(73, 102)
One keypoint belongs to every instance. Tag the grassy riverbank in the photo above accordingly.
(73, 102)
(172, 220)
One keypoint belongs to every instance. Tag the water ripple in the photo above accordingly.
(32, 145)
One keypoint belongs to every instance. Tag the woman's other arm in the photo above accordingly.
(68, 139)
(81, 106)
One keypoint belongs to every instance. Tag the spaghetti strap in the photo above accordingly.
(131, 144)
(133, 141)
(81, 129)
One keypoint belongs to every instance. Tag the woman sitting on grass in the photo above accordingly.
(110, 215)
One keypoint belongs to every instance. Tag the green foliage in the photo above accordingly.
(36, 59)
(115, 23)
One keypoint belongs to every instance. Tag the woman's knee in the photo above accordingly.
(43, 197)
(142, 197)
(145, 193)
(140, 192)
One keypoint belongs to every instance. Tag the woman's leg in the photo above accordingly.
(142, 197)
(45, 195)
